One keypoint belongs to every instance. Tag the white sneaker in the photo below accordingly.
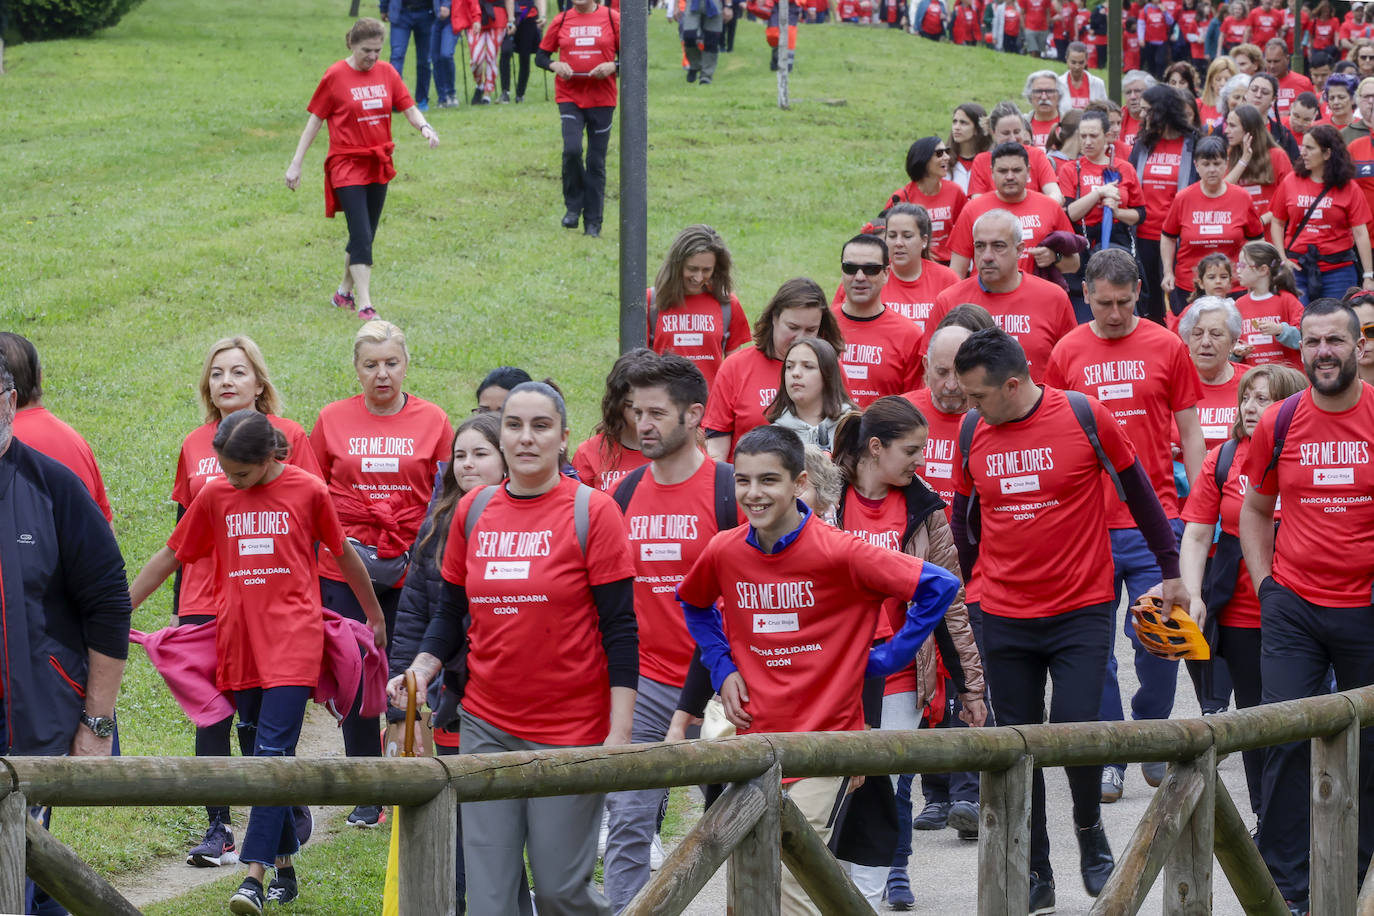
(656, 854)
(603, 833)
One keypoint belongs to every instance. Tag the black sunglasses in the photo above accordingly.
(868, 270)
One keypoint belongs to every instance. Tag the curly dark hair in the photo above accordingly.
(1339, 170)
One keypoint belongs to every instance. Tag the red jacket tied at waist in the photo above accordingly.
(389, 518)
(378, 161)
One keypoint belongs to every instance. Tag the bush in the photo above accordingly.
(40, 20)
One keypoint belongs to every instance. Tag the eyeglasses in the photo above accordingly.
(942, 152)
(1367, 330)
(1044, 92)
(1365, 57)
(868, 270)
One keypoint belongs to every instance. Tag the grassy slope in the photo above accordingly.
(144, 216)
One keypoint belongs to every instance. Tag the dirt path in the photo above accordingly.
(170, 877)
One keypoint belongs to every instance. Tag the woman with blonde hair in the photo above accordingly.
(1218, 72)
(378, 451)
(692, 308)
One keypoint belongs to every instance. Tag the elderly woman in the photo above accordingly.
(1210, 327)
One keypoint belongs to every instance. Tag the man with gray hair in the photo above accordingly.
(1133, 86)
(1291, 85)
(1144, 376)
(1042, 91)
(1035, 312)
(1078, 87)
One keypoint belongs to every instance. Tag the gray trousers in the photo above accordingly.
(696, 28)
(634, 815)
(558, 833)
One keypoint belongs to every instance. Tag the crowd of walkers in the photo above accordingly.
(1111, 342)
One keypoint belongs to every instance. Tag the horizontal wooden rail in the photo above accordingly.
(72, 781)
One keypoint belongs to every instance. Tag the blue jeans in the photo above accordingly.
(1138, 572)
(442, 43)
(1334, 283)
(421, 25)
(278, 713)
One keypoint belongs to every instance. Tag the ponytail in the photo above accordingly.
(247, 437)
(886, 419)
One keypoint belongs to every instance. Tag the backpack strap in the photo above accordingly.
(582, 515)
(625, 490)
(1225, 456)
(653, 311)
(479, 502)
(1282, 421)
(727, 510)
(1083, 412)
(966, 430)
(725, 346)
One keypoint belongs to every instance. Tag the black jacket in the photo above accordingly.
(62, 593)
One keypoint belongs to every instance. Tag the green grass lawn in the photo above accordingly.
(144, 215)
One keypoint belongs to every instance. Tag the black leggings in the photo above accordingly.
(525, 41)
(362, 207)
(213, 740)
(362, 736)
(584, 185)
(1151, 305)
(1240, 647)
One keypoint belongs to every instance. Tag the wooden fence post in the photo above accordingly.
(1335, 820)
(14, 812)
(1188, 869)
(428, 847)
(753, 878)
(1240, 861)
(1004, 839)
(816, 870)
(69, 880)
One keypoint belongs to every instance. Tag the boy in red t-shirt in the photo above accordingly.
(785, 609)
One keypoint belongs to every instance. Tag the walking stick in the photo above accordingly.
(463, 40)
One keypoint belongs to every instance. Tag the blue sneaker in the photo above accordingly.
(423, 106)
(898, 891)
(216, 849)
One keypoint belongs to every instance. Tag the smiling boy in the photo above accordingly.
(785, 608)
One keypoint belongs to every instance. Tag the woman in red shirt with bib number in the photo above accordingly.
(586, 37)
(378, 451)
(356, 98)
(234, 378)
(539, 585)
(927, 165)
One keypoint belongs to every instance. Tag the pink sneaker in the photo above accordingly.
(343, 301)
(367, 314)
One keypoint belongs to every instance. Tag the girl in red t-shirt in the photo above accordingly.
(612, 451)
(586, 37)
(1233, 603)
(1270, 311)
(691, 298)
(234, 378)
(259, 526)
(927, 165)
(539, 585)
(378, 451)
(356, 98)
(914, 280)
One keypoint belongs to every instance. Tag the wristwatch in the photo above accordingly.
(103, 726)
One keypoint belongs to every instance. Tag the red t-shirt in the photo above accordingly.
(1041, 172)
(1233, 31)
(595, 470)
(695, 330)
(1264, 25)
(1037, 15)
(1159, 181)
(1192, 29)
(1362, 157)
(1281, 306)
(1143, 379)
(881, 523)
(1129, 128)
(1078, 178)
(269, 631)
(1041, 508)
(1063, 24)
(1204, 225)
(1330, 224)
(1080, 94)
(536, 664)
(197, 465)
(357, 106)
(1039, 216)
(1011, 21)
(1323, 32)
(932, 24)
(1037, 313)
(915, 300)
(1324, 477)
(1262, 195)
(380, 470)
(584, 40)
(746, 384)
(942, 447)
(944, 208)
(800, 622)
(669, 527)
(1218, 408)
(882, 355)
(1040, 131)
(1156, 26)
(41, 430)
(965, 24)
(1130, 49)
(1290, 87)
(1207, 504)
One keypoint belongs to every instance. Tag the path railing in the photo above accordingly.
(1190, 820)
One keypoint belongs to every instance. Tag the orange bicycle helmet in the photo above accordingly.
(1172, 635)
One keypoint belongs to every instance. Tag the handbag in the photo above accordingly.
(385, 572)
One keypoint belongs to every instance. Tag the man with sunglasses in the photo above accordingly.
(1034, 311)
(1038, 214)
(882, 349)
(1312, 452)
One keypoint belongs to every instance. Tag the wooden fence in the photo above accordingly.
(1190, 820)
